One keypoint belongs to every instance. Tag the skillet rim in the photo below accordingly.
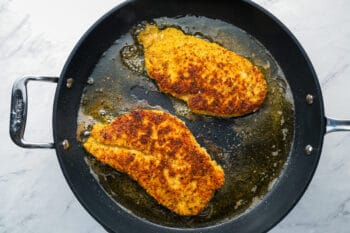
(60, 152)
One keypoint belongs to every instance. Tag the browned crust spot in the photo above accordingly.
(209, 78)
(158, 151)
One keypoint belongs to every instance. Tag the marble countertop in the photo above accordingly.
(36, 38)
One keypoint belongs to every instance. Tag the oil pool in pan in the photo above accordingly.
(252, 149)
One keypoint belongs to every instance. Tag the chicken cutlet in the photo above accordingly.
(157, 150)
(209, 78)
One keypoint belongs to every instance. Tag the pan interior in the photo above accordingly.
(252, 149)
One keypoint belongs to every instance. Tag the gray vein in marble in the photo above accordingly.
(20, 223)
(342, 209)
(335, 74)
(26, 219)
(339, 165)
(4, 5)
(15, 29)
(69, 205)
(12, 52)
(342, 140)
(306, 224)
(8, 176)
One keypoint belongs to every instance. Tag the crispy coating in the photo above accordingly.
(209, 78)
(158, 151)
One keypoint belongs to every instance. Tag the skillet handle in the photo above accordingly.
(334, 125)
(18, 117)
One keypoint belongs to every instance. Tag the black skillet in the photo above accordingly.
(310, 123)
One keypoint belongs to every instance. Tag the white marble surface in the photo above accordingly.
(37, 36)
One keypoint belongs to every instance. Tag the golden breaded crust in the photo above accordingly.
(158, 151)
(209, 78)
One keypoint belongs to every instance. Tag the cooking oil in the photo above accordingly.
(252, 149)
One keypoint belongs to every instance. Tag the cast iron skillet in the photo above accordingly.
(310, 121)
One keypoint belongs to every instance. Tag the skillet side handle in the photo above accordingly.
(18, 117)
(334, 125)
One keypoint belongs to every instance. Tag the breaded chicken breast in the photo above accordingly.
(158, 151)
(209, 78)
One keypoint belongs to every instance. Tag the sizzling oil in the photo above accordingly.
(252, 149)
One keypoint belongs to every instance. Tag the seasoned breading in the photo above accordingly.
(158, 151)
(209, 78)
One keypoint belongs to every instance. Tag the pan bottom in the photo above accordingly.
(252, 150)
